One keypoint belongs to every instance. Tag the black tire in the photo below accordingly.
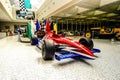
(117, 36)
(48, 50)
(34, 40)
(87, 42)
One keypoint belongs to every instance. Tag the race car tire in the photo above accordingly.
(117, 36)
(86, 42)
(48, 50)
(34, 40)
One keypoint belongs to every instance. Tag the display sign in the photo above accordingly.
(25, 15)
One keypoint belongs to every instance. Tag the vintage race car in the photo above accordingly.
(60, 47)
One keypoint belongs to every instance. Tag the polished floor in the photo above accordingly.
(21, 61)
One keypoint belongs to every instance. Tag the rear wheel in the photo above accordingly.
(117, 36)
(48, 50)
(87, 42)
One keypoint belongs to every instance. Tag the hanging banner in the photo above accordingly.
(29, 34)
(37, 25)
(22, 7)
(55, 28)
(47, 26)
(27, 4)
(33, 26)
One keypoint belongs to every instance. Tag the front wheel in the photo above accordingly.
(86, 42)
(48, 50)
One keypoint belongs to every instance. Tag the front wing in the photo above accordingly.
(69, 53)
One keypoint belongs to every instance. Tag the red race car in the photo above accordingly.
(68, 48)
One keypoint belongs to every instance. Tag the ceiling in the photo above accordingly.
(83, 11)
(91, 11)
(35, 4)
(4, 16)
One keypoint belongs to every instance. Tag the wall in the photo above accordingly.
(10, 24)
(3, 26)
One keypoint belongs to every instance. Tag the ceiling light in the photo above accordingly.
(82, 16)
(111, 14)
(118, 8)
(97, 12)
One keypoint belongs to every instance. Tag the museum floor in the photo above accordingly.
(21, 61)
